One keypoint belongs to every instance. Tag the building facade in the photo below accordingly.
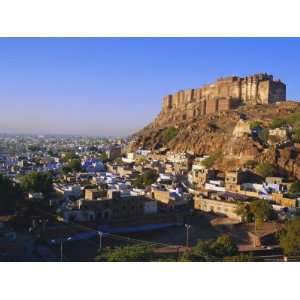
(223, 207)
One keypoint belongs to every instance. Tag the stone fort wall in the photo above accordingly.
(224, 94)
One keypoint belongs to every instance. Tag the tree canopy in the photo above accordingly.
(69, 156)
(103, 156)
(221, 249)
(265, 169)
(243, 210)
(147, 178)
(289, 238)
(10, 194)
(36, 182)
(134, 253)
(214, 250)
(261, 210)
(74, 165)
(295, 187)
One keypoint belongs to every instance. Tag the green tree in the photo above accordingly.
(33, 148)
(150, 176)
(185, 257)
(265, 169)
(243, 210)
(51, 153)
(209, 161)
(66, 169)
(168, 134)
(263, 135)
(295, 187)
(202, 251)
(138, 182)
(69, 155)
(10, 194)
(74, 165)
(239, 258)
(214, 250)
(103, 156)
(36, 182)
(224, 246)
(134, 253)
(289, 238)
(261, 210)
(147, 178)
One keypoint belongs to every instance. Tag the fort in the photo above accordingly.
(224, 94)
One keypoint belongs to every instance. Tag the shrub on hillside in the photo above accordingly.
(265, 169)
(168, 134)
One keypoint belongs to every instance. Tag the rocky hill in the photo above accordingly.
(227, 136)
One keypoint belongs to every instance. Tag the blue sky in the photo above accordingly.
(114, 86)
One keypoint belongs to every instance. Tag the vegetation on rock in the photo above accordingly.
(277, 123)
(209, 161)
(168, 134)
(265, 169)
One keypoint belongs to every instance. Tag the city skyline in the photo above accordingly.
(114, 86)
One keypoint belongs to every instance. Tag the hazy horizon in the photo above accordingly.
(114, 86)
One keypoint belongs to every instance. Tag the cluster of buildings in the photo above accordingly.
(182, 183)
(111, 196)
(105, 190)
(224, 194)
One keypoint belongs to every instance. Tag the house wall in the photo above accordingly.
(216, 206)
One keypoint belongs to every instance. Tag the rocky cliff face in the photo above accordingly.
(216, 119)
(222, 132)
